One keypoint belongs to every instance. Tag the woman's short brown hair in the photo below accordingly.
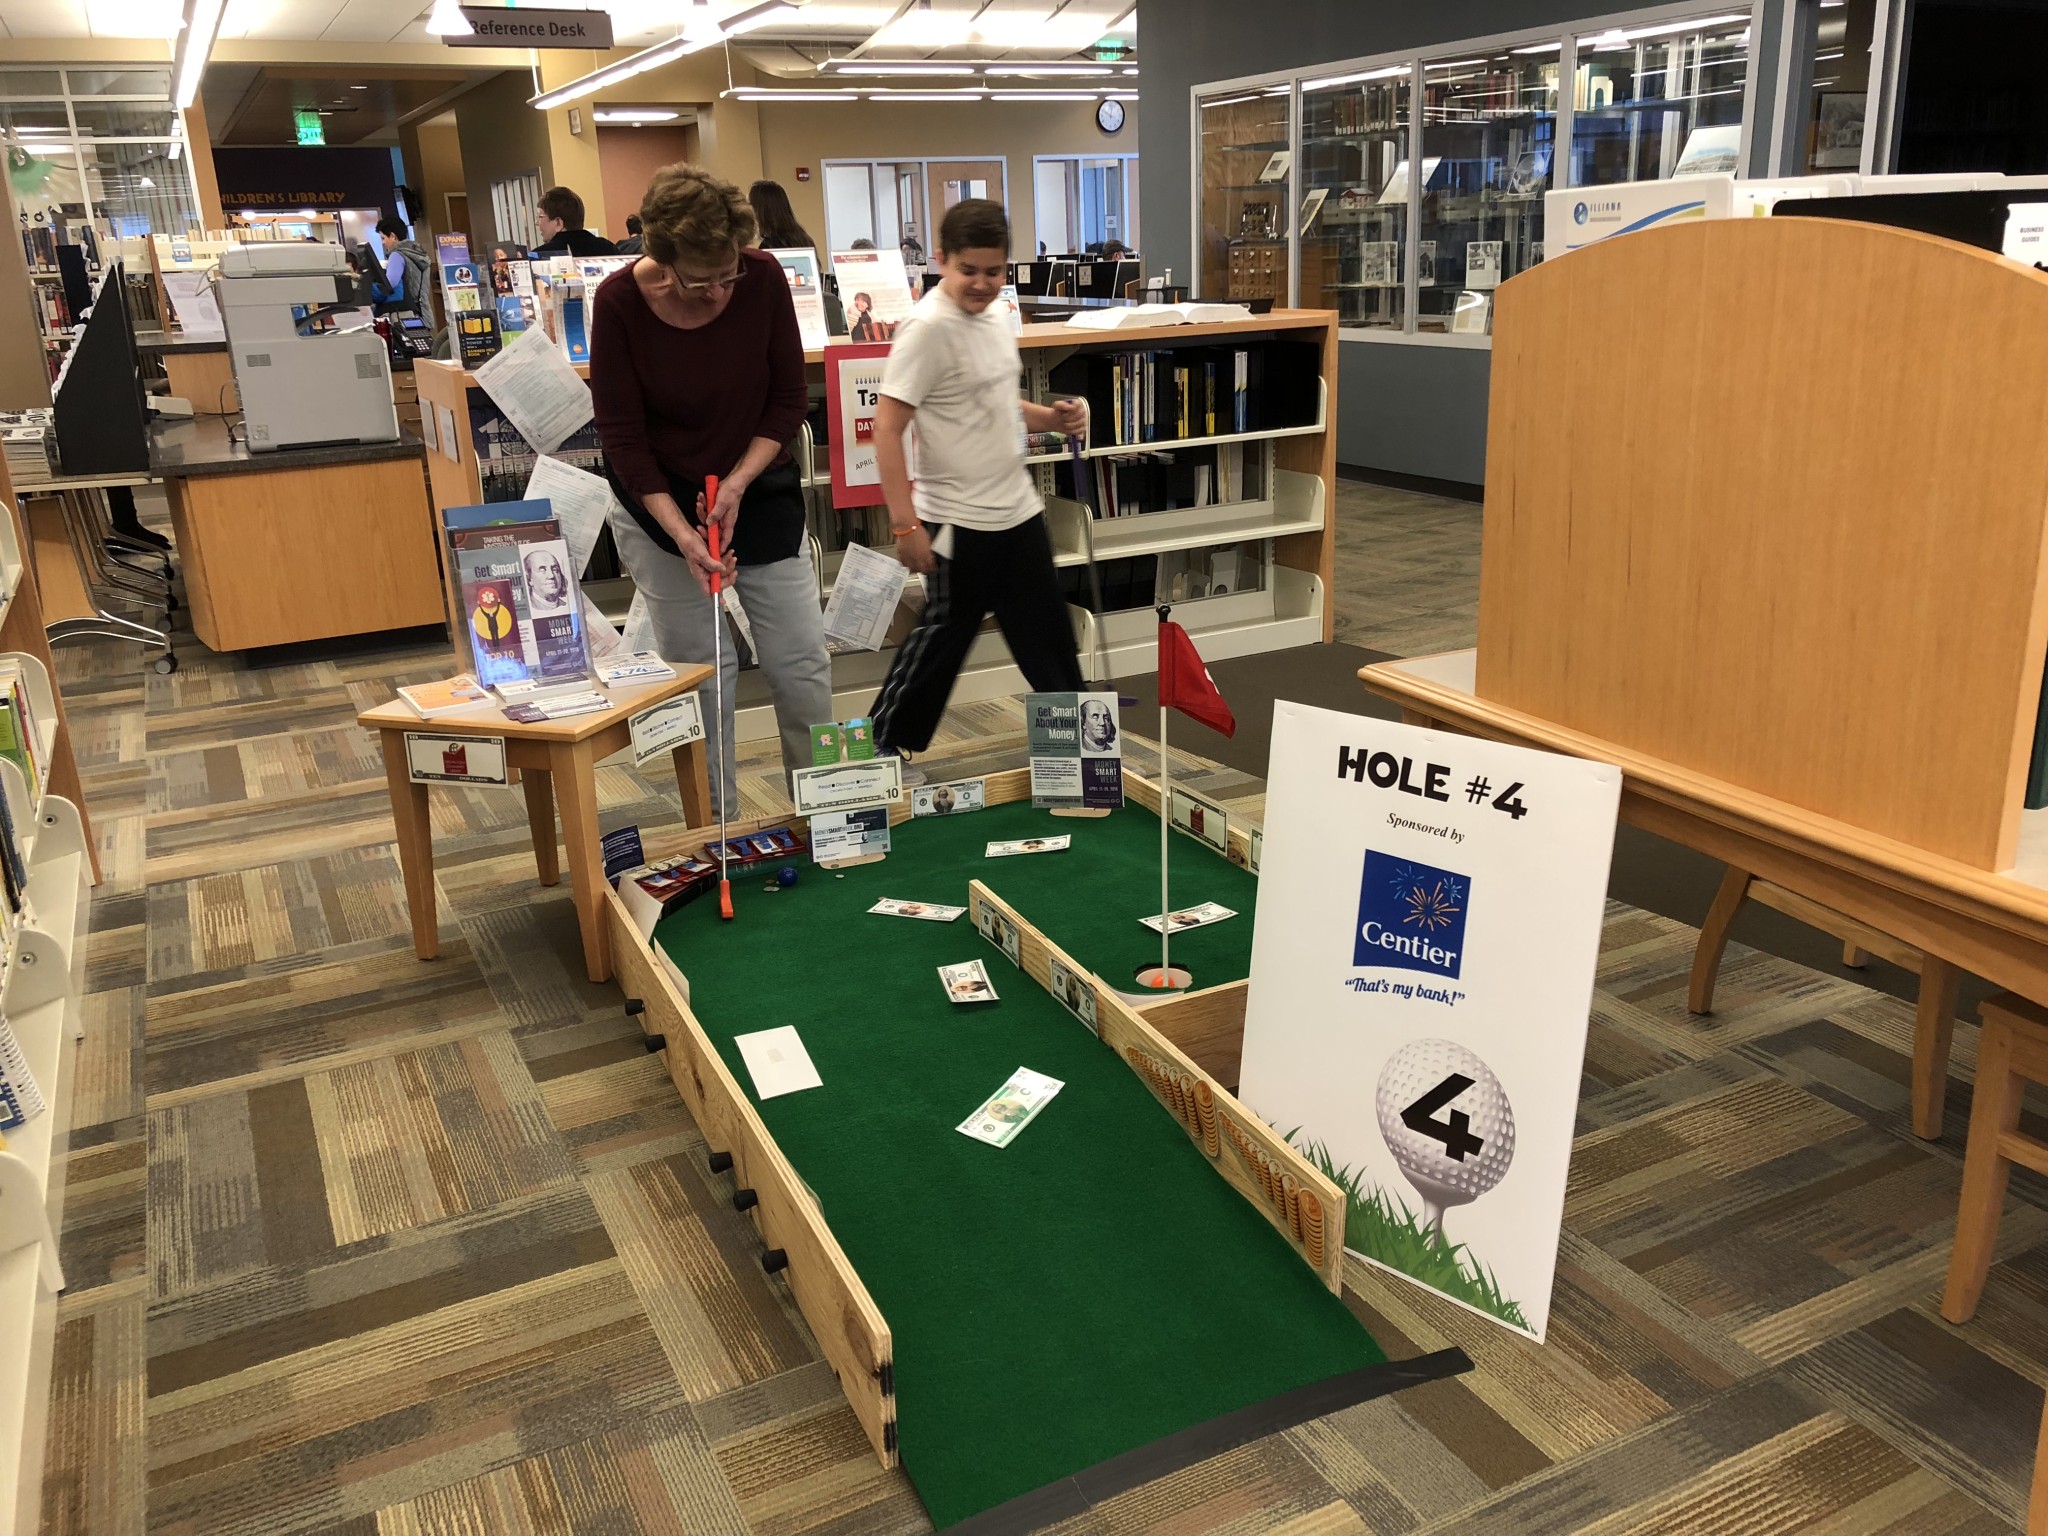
(691, 216)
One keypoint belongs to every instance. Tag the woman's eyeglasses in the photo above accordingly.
(724, 284)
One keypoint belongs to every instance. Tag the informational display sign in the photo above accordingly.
(664, 727)
(844, 836)
(1077, 751)
(853, 388)
(800, 267)
(1202, 819)
(455, 759)
(1422, 965)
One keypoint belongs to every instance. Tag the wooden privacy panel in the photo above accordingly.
(1765, 498)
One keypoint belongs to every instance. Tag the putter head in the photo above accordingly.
(725, 899)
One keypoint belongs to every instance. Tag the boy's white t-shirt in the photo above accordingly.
(959, 372)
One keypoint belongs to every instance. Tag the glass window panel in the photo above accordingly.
(31, 120)
(1354, 195)
(105, 120)
(48, 190)
(31, 82)
(1837, 97)
(137, 189)
(1651, 97)
(1489, 137)
(1247, 187)
(120, 82)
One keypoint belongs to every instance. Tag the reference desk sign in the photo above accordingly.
(498, 26)
(456, 759)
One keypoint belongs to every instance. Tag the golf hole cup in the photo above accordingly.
(1448, 1123)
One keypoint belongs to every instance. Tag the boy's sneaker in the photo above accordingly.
(912, 776)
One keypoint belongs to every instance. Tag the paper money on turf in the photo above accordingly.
(1029, 845)
(1190, 917)
(1011, 1107)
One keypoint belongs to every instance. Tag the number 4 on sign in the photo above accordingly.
(1509, 800)
(1455, 1131)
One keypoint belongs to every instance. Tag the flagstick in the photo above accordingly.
(1165, 817)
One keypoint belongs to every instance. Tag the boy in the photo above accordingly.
(973, 523)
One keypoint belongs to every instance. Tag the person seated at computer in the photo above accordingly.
(631, 245)
(1115, 250)
(559, 217)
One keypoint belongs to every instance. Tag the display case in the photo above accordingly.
(1489, 136)
(1355, 136)
(1416, 181)
(1658, 101)
(1247, 195)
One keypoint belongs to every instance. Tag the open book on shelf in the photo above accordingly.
(1116, 318)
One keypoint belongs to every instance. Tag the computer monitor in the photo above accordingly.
(1031, 277)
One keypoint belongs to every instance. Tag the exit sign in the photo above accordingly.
(311, 130)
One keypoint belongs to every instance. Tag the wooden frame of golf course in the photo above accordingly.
(1166, 1044)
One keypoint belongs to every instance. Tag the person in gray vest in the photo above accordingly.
(406, 265)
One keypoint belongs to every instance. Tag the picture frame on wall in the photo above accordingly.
(1838, 130)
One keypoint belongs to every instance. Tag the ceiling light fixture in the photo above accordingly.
(195, 43)
(447, 20)
(636, 114)
(762, 93)
(760, 16)
(1042, 96)
(895, 95)
(1050, 71)
(870, 67)
(359, 87)
(661, 53)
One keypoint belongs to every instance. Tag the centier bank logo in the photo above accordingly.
(1579, 213)
(1411, 916)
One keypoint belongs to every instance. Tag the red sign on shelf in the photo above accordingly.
(853, 388)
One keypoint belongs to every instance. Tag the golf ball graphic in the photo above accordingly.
(1447, 1121)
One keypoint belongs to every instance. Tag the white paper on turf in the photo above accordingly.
(864, 597)
(777, 1061)
(581, 502)
(1422, 966)
(537, 389)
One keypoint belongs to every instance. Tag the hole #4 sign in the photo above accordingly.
(1422, 964)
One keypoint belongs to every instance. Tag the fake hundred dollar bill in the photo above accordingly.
(1011, 1107)
(1189, 917)
(1029, 845)
(967, 982)
(930, 911)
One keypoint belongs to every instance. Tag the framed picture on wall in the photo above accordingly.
(1838, 130)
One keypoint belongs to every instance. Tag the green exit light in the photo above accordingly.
(310, 129)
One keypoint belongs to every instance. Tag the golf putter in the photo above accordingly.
(718, 678)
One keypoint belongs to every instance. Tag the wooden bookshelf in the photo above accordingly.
(1294, 515)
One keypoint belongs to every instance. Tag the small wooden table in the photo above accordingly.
(555, 758)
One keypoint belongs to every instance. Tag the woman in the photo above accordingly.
(780, 230)
(696, 370)
(865, 326)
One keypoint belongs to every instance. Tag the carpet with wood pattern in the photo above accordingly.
(360, 1244)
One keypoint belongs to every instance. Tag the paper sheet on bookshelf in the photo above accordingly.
(540, 394)
(864, 597)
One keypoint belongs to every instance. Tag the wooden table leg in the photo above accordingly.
(694, 781)
(1994, 1111)
(575, 775)
(1706, 959)
(415, 845)
(1934, 1022)
(539, 785)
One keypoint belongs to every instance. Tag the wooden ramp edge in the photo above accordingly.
(1253, 1158)
(848, 1325)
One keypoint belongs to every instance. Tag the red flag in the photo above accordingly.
(1185, 684)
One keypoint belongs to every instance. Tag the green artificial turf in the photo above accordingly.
(1091, 1287)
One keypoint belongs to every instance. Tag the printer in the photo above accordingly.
(307, 370)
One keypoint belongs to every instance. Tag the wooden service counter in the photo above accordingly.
(299, 544)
